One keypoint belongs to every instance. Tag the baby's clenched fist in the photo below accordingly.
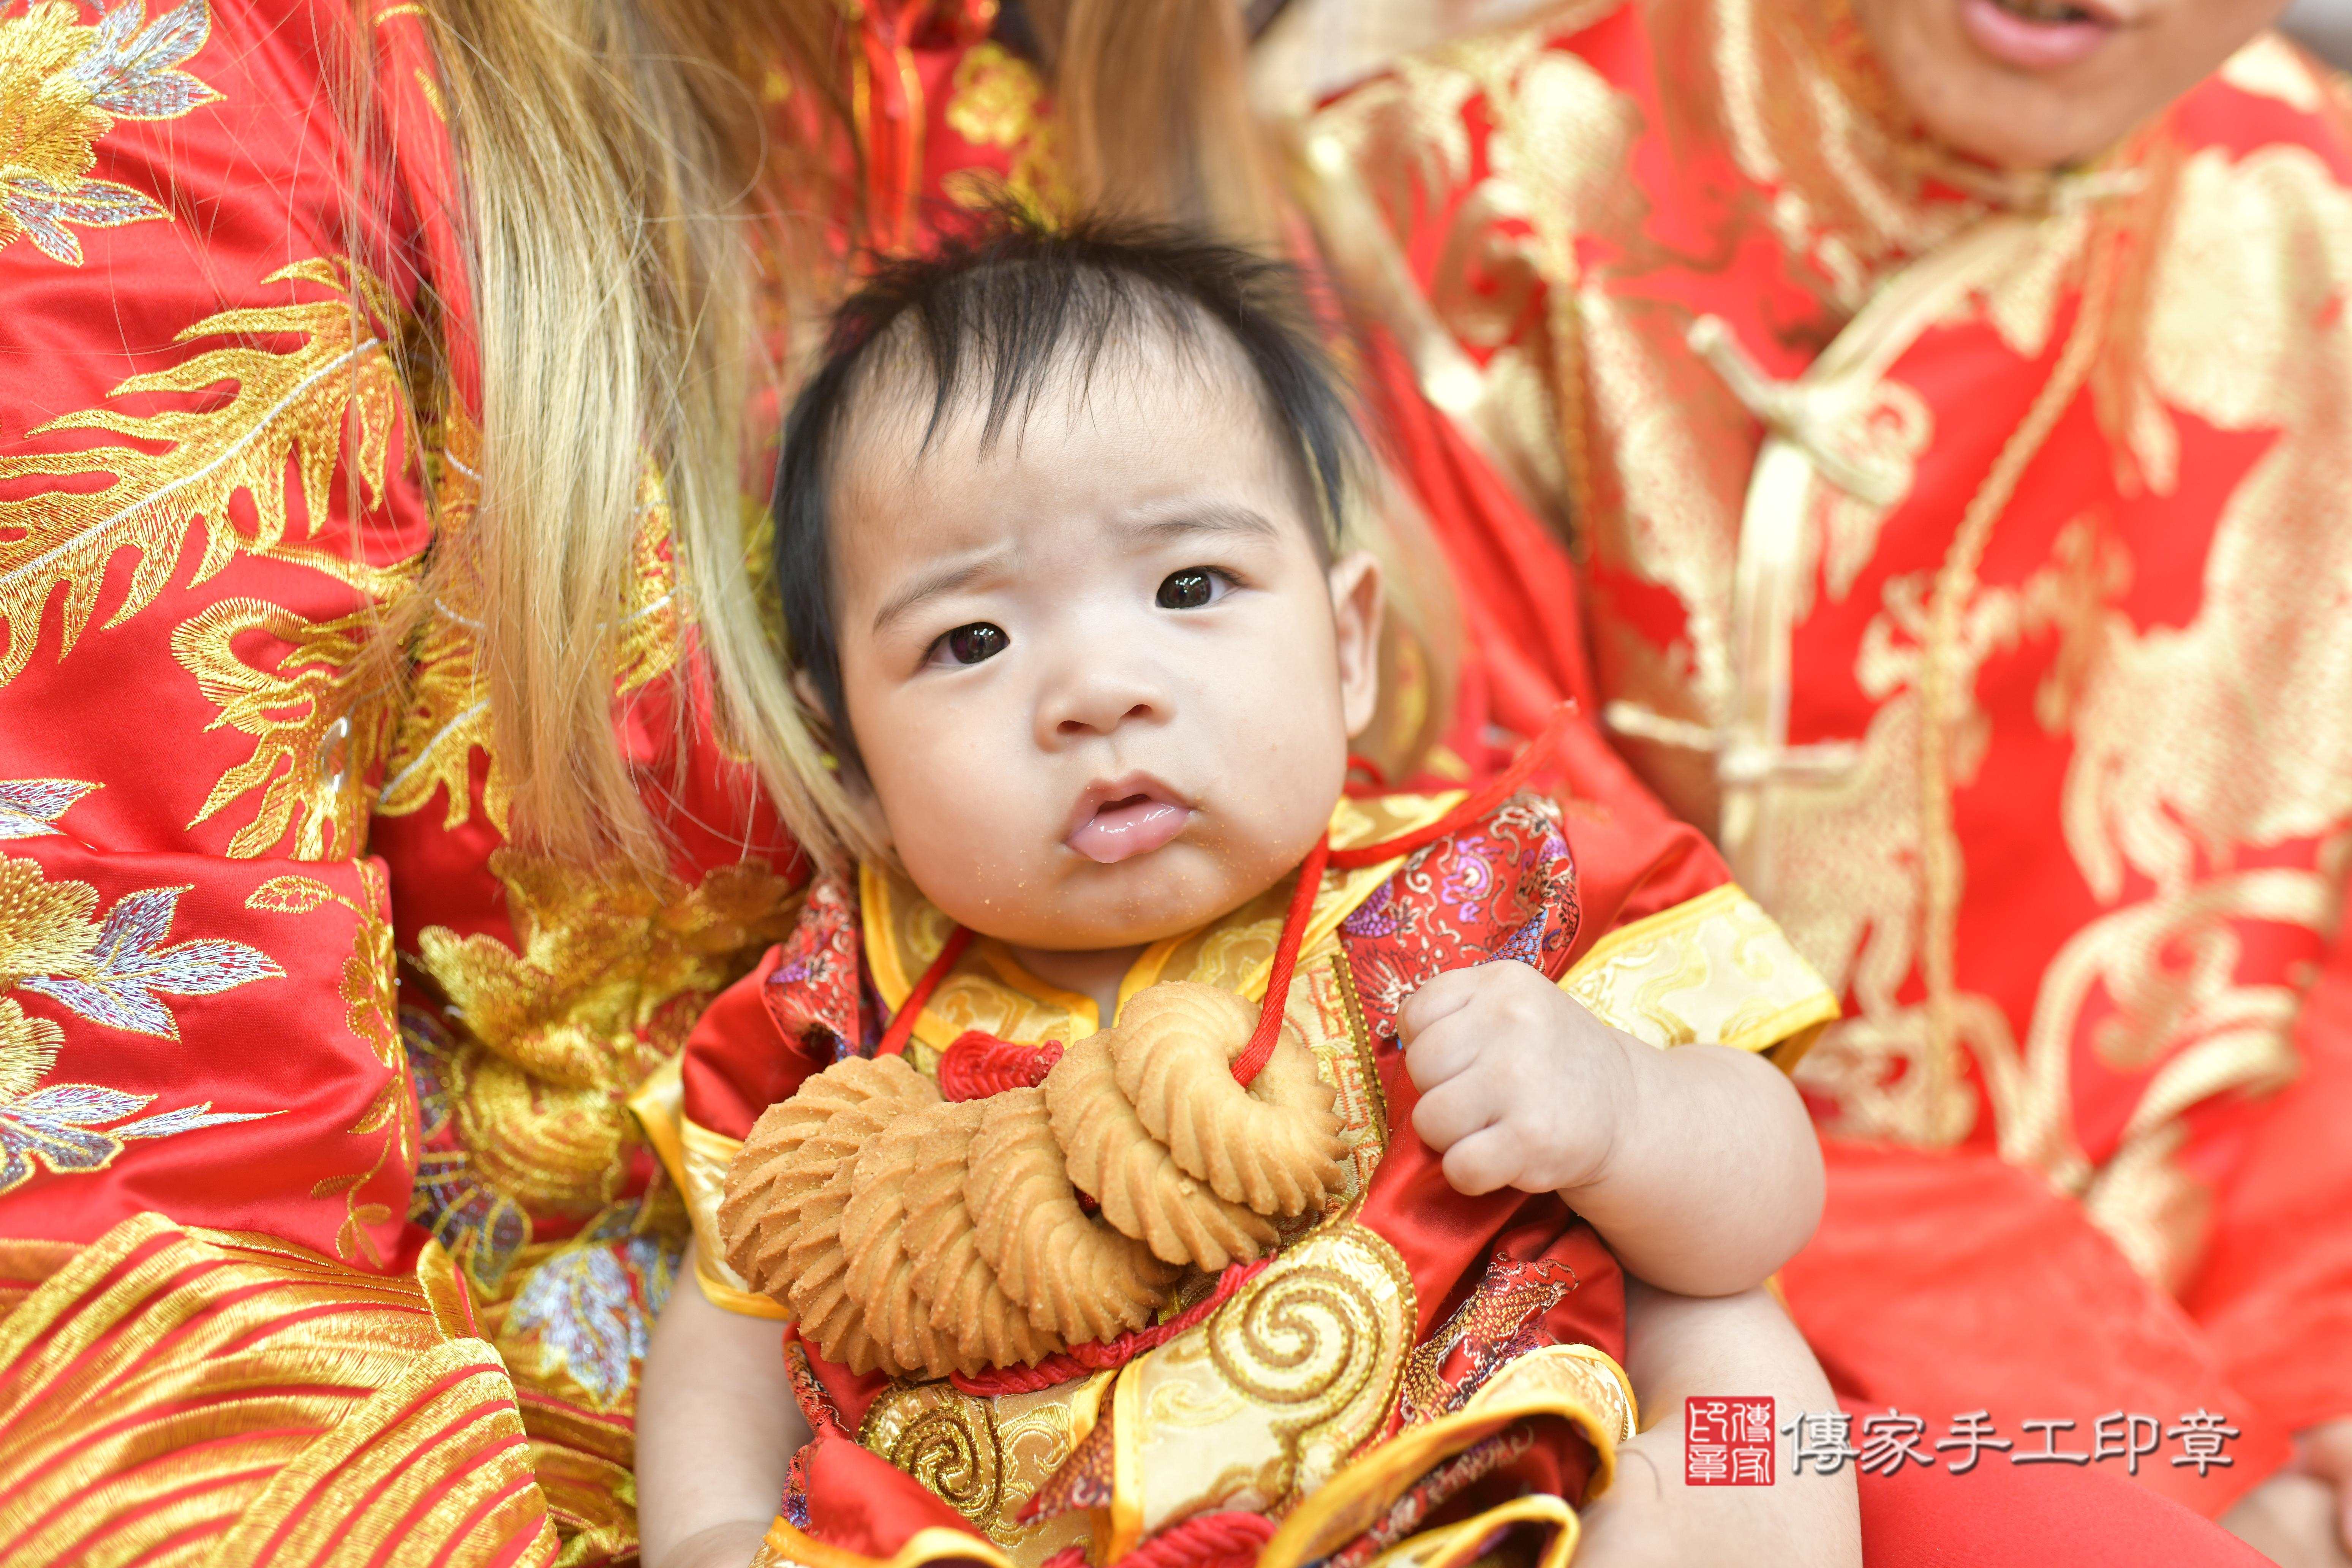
(1520, 1086)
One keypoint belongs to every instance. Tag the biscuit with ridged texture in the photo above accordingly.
(1274, 1145)
(1076, 1274)
(793, 1151)
(951, 1275)
(879, 1272)
(1114, 1160)
(816, 1272)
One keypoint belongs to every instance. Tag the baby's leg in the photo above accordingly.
(1680, 1348)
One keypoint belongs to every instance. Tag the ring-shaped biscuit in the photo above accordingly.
(1114, 1159)
(793, 1151)
(1077, 1274)
(816, 1280)
(879, 1274)
(1274, 1145)
(951, 1275)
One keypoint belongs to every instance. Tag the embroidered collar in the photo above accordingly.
(989, 989)
(1857, 187)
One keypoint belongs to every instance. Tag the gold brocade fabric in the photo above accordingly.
(208, 1400)
(1959, 545)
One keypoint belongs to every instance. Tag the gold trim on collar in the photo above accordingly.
(990, 991)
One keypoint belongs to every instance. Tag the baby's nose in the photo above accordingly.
(1098, 698)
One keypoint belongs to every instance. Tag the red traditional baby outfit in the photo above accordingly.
(1415, 1357)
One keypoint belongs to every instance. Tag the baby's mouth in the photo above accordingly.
(1134, 821)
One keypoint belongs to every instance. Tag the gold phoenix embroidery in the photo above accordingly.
(62, 87)
(447, 717)
(290, 409)
(313, 734)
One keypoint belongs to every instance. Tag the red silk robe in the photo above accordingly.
(1966, 552)
(267, 963)
(1482, 1334)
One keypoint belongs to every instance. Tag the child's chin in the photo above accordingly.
(1165, 893)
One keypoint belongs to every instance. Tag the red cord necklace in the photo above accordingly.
(1471, 808)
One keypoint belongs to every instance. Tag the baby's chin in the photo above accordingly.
(1133, 903)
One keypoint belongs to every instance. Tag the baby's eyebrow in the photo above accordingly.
(1210, 518)
(931, 585)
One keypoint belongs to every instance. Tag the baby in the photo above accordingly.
(1058, 533)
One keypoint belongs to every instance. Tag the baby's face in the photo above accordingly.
(1100, 675)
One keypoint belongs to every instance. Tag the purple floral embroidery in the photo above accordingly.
(1376, 916)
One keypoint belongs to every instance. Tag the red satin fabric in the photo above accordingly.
(1933, 1280)
(2002, 1516)
(255, 179)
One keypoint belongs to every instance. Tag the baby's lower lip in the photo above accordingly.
(2033, 37)
(1123, 829)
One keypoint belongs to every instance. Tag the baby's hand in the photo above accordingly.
(1520, 1087)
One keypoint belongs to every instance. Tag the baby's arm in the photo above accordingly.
(1699, 1165)
(1679, 1347)
(717, 1429)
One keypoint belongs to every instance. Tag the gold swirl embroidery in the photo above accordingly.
(1296, 1342)
(1267, 1399)
(986, 1458)
(953, 1451)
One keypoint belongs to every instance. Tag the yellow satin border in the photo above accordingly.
(1353, 1501)
(786, 1543)
(903, 933)
(1336, 1513)
(696, 1160)
(1714, 968)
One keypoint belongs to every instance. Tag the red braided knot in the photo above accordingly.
(1102, 1355)
(979, 1065)
(1204, 1540)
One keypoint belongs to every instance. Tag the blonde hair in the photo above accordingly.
(1152, 99)
(611, 150)
(614, 165)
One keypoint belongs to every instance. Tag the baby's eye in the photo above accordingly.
(971, 643)
(1191, 588)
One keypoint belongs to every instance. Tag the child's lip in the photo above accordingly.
(1122, 818)
(2030, 43)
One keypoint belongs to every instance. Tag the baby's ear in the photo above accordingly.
(1358, 602)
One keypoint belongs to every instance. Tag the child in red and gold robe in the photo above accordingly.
(1054, 531)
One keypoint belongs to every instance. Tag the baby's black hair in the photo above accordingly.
(997, 312)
